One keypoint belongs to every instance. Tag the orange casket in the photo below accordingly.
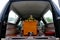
(30, 26)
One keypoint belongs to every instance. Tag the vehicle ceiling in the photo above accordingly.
(26, 8)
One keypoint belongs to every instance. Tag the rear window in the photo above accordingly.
(3, 4)
(57, 2)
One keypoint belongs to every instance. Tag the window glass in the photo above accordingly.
(41, 23)
(20, 23)
(48, 17)
(2, 4)
(57, 2)
(12, 17)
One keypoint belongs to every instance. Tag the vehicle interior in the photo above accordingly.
(30, 20)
